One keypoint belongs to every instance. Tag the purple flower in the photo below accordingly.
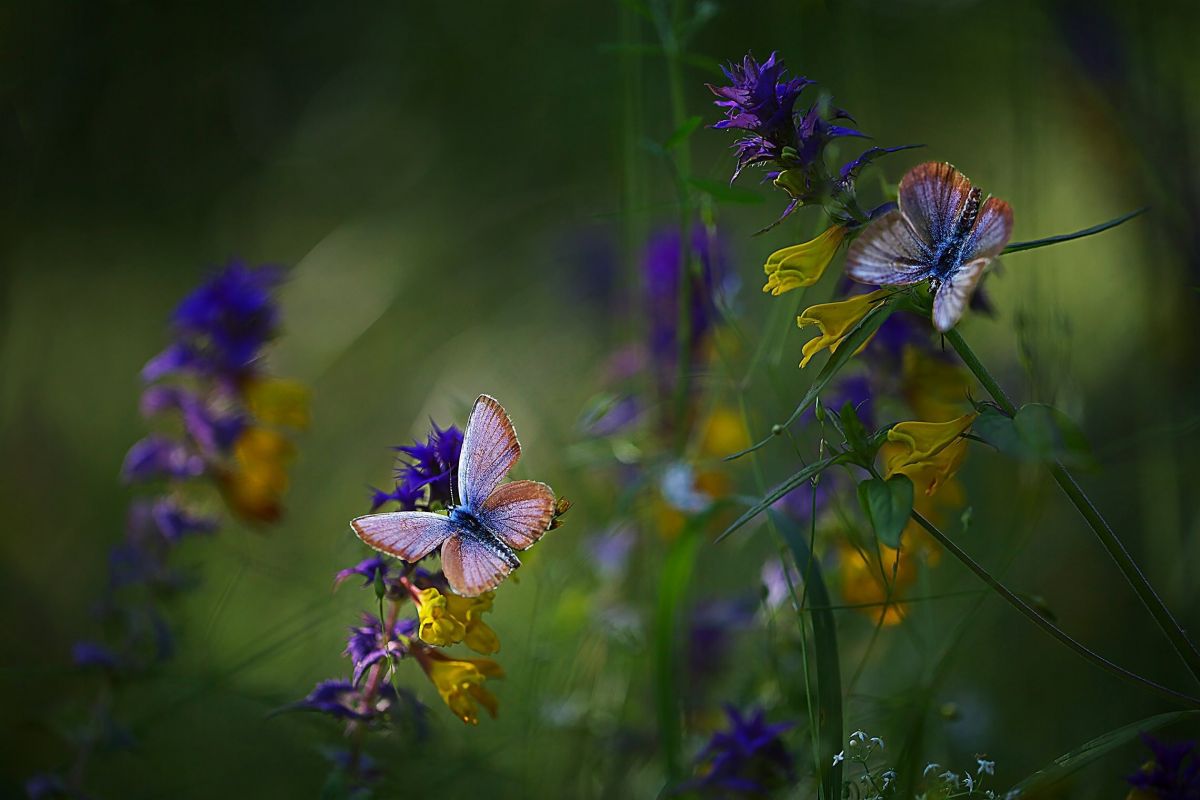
(157, 456)
(368, 569)
(713, 625)
(425, 472)
(45, 786)
(366, 645)
(339, 698)
(761, 100)
(174, 521)
(750, 759)
(1172, 774)
(215, 432)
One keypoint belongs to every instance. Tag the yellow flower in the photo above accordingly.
(438, 626)
(836, 320)
(935, 389)
(929, 453)
(450, 619)
(460, 682)
(802, 264)
(479, 637)
(862, 581)
(275, 401)
(254, 485)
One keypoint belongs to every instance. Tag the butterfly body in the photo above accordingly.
(480, 536)
(943, 231)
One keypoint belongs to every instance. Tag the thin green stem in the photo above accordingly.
(1049, 627)
(1104, 532)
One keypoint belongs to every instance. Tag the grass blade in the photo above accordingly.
(779, 491)
(1017, 247)
(828, 665)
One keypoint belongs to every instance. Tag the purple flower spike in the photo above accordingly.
(749, 759)
(368, 569)
(159, 457)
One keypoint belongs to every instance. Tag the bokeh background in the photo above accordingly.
(461, 192)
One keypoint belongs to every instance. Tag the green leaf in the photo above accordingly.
(724, 193)
(1085, 754)
(888, 505)
(855, 339)
(681, 134)
(779, 491)
(1017, 247)
(855, 432)
(1038, 432)
(828, 665)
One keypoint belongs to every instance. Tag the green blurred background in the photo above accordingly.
(446, 180)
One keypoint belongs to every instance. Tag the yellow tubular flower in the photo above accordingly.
(460, 682)
(438, 626)
(929, 453)
(835, 321)
(469, 610)
(802, 264)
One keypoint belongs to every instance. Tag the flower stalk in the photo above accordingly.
(1104, 532)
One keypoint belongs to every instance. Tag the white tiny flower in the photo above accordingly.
(949, 777)
(839, 758)
(888, 778)
(862, 737)
(986, 767)
(969, 780)
(930, 767)
(875, 740)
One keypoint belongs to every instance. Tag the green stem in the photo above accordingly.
(1104, 532)
(1049, 627)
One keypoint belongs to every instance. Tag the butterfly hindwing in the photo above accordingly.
(410, 535)
(954, 294)
(888, 253)
(490, 449)
(472, 567)
(933, 196)
(992, 229)
(519, 512)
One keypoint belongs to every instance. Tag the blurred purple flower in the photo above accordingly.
(712, 628)
(750, 759)
(214, 432)
(93, 654)
(1172, 774)
(611, 550)
(662, 265)
(222, 325)
(45, 786)
(174, 521)
(339, 698)
(157, 456)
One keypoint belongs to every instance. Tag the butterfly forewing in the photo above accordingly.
(471, 567)
(888, 253)
(410, 535)
(490, 449)
(954, 294)
(519, 512)
(933, 196)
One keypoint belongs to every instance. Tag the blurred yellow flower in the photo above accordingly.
(835, 321)
(935, 389)
(254, 485)
(802, 264)
(460, 682)
(862, 581)
(723, 433)
(276, 401)
(449, 619)
(929, 453)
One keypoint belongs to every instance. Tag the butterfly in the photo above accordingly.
(944, 231)
(489, 521)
